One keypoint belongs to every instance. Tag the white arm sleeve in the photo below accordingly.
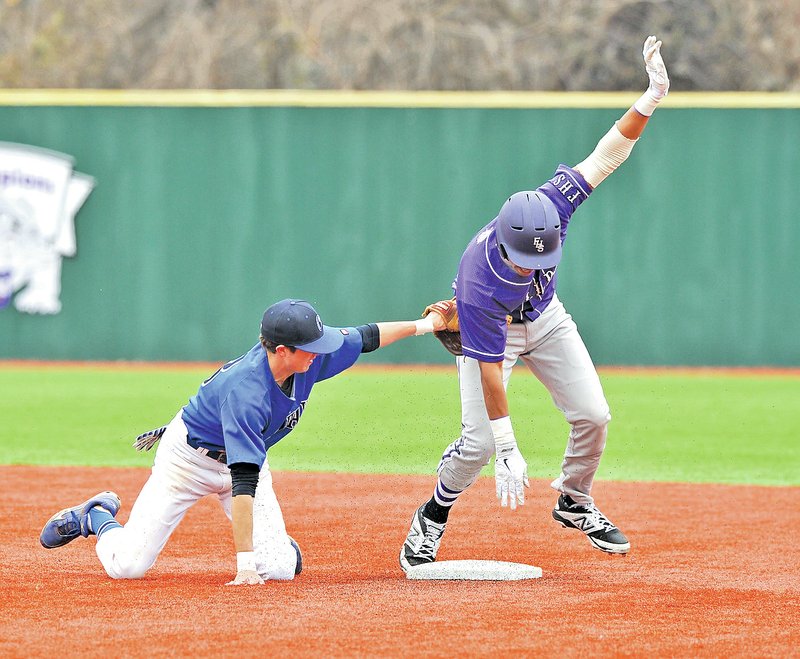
(611, 151)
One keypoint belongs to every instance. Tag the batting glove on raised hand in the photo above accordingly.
(655, 67)
(511, 478)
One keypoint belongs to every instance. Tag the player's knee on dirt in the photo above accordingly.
(129, 569)
(276, 559)
(122, 557)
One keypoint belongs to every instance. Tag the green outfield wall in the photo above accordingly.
(207, 208)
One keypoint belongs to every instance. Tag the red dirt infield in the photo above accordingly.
(714, 571)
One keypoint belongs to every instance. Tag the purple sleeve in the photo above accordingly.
(567, 189)
(483, 331)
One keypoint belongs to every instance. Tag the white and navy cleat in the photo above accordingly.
(602, 533)
(68, 524)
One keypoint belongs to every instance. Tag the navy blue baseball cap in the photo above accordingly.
(296, 323)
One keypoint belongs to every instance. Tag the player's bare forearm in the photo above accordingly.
(396, 330)
(400, 329)
(494, 394)
(632, 124)
(242, 519)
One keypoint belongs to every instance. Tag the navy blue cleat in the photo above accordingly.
(68, 524)
(299, 567)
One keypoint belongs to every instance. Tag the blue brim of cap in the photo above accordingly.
(330, 341)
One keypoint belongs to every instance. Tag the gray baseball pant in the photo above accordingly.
(554, 352)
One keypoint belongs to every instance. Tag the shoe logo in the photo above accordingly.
(589, 523)
(585, 524)
(414, 539)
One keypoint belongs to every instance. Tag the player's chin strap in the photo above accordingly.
(147, 440)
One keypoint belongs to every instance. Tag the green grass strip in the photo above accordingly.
(666, 427)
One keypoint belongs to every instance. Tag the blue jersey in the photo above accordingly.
(242, 410)
(488, 290)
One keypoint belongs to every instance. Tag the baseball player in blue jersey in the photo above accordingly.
(508, 310)
(218, 443)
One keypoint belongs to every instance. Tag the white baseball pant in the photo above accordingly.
(554, 352)
(181, 476)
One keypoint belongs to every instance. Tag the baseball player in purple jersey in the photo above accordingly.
(218, 443)
(508, 310)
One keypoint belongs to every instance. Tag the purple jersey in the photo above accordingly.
(243, 410)
(488, 290)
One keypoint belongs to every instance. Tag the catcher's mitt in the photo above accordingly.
(450, 337)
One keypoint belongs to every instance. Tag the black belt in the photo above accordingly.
(219, 456)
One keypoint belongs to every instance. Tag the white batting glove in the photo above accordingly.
(655, 67)
(657, 72)
(510, 468)
(510, 475)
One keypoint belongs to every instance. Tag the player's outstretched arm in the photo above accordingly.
(616, 145)
(400, 329)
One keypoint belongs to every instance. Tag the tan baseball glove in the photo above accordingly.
(450, 337)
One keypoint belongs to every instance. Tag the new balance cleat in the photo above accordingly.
(598, 528)
(68, 524)
(422, 541)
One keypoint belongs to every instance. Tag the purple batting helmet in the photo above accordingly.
(529, 230)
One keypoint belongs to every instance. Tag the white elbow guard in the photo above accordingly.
(611, 151)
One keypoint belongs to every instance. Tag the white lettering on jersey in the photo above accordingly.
(564, 185)
(293, 418)
(548, 274)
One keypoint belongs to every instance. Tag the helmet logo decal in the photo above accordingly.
(538, 244)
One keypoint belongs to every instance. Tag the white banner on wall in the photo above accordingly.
(40, 194)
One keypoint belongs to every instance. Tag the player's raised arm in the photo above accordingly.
(616, 145)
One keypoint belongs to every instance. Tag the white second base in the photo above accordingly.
(474, 571)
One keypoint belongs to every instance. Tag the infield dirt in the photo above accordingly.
(713, 571)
